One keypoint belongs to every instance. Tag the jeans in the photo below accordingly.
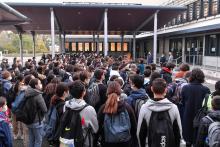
(35, 134)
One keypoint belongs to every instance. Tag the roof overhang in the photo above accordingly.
(77, 18)
(10, 17)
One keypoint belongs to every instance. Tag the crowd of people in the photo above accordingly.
(87, 100)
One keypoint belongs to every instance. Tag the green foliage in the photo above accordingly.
(10, 41)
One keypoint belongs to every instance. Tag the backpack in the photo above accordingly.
(11, 95)
(174, 91)
(117, 127)
(51, 122)
(28, 111)
(18, 102)
(71, 132)
(93, 94)
(213, 133)
(201, 113)
(160, 133)
(137, 104)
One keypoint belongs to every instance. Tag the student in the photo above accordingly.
(192, 95)
(116, 109)
(100, 93)
(202, 138)
(58, 101)
(137, 92)
(184, 68)
(152, 118)
(5, 131)
(38, 108)
(147, 74)
(87, 113)
(166, 72)
(141, 66)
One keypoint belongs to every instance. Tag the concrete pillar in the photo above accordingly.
(134, 46)
(155, 39)
(21, 48)
(34, 43)
(183, 49)
(52, 32)
(106, 32)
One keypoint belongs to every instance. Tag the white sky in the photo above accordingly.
(144, 2)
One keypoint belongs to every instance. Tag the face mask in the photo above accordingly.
(4, 108)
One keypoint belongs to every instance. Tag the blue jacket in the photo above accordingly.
(5, 134)
(6, 86)
(141, 68)
(140, 93)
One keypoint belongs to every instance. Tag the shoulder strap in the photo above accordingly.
(209, 118)
(206, 100)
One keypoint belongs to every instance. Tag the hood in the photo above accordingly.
(75, 104)
(165, 69)
(114, 72)
(159, 106)
(30, 92)
(138, 93)
(215, 115)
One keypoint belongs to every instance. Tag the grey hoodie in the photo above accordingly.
(157, 106)
(89, 115)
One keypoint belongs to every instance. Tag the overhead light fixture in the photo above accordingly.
(129, 14)
(79, 13)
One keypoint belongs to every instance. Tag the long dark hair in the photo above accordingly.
(60, 89)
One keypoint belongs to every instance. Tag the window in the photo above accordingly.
(206, 7)
(67, 45)
(214, 7)
(112, 46)
(125, 47)
(80, 47)
(100, 47)
(93, 48)
(73, 46)
(86, 47)
(119, 47)
(211, 45)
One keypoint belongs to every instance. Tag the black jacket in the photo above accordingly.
(204, 126)
(121, 106)
(193, 95)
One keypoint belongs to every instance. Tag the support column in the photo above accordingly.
(97, 43)
(64, 42)
(93, 40)
(155, 39)
(52, 32)
(60, 41)
(183, 49)
(122, 42)
(134, 46)
(106, 32)
(34, 43)
(203, 54)
(21, 48)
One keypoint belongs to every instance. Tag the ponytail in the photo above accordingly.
(111, 105)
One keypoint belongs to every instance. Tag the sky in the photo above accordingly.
(144, 2)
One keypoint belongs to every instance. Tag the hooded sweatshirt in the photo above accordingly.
(88, 114)
(136, 94)
(157, 106)
(38, 101)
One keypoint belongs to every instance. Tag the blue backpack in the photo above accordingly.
(51, 122)
(117, 127)
(18, 102)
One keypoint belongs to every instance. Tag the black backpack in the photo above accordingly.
(201, 113)
(2, 88)
(71, 128)
(160, 133)
(28, 111)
